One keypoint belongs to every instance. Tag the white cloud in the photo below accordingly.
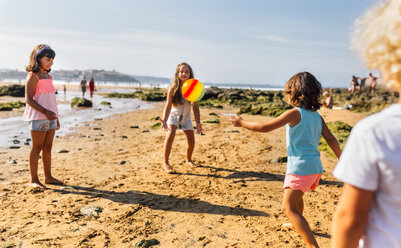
(274, 38)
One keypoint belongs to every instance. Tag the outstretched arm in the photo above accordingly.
(292, 117)
(351, 216)
(167, 109)
(330, 139)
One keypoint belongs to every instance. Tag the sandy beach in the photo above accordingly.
(231, 199)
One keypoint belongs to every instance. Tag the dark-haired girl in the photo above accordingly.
(41, 112)
(304, 126)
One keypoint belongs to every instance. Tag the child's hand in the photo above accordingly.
(51, 116)
(199, 128)
(164, 125)
(58, 125)
(236, 120)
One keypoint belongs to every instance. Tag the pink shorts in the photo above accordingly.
(303, 183)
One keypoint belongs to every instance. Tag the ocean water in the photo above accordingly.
(15, 132)
(161, 85)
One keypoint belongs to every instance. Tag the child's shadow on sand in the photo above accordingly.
(250, 176)
(161, 202)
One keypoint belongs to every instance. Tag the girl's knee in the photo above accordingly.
(47, 147)
(190, 141)
(36, 148)
(170, 137)
(288, 209)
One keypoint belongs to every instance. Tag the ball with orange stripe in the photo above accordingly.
(193, 90)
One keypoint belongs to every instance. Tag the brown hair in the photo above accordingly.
(176, 85)
(34, 61)
(304, 91)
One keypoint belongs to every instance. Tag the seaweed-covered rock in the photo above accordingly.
(212, 93)
(121, 95)
(236, 95)
(213, 119)
(156, 126)
(211, 103)
(341, 131)
(256, 110)
(8, 106)
(275, 109)
(12, 90)
(145, 95)
(270, 109)
(245, 109)
(80, 102)
(146, 243)
(5, 107)
(153, 96)
(106, 103)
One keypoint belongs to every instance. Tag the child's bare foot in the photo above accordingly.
(36, 185)
(190, 163)
(54, 181)
(168, 168)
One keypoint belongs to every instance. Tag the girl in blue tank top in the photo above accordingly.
(304, 126)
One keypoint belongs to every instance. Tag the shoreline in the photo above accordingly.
(15, 132)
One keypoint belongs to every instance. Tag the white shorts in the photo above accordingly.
(177, 121)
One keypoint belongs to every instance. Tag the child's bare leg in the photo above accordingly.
(47, 158)
(291, 207)
(38, 138)
(168, 143)
(191, 145)
(301, 206)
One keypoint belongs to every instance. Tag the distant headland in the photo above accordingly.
(74, 75)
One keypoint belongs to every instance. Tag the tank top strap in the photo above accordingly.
(32, 73)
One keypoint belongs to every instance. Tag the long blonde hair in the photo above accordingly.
(176, 85)
(377, 40)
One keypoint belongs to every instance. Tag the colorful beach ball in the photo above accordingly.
(193, 90)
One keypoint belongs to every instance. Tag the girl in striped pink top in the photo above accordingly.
(41, 112)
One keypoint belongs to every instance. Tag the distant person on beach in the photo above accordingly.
(65, 92)
(91, 86)
(354, 84)
(372, 83)
(41, 112)
(177, 114)
(83, 86)
(328, 100)
(362, 83)
(304, 128)
(369, 211)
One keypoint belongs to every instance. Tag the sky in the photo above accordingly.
(261, 42)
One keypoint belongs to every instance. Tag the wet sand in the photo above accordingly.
(231, 199)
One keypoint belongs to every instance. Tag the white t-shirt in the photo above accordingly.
(371, 161)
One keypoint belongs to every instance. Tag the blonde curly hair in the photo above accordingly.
(377, 40)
